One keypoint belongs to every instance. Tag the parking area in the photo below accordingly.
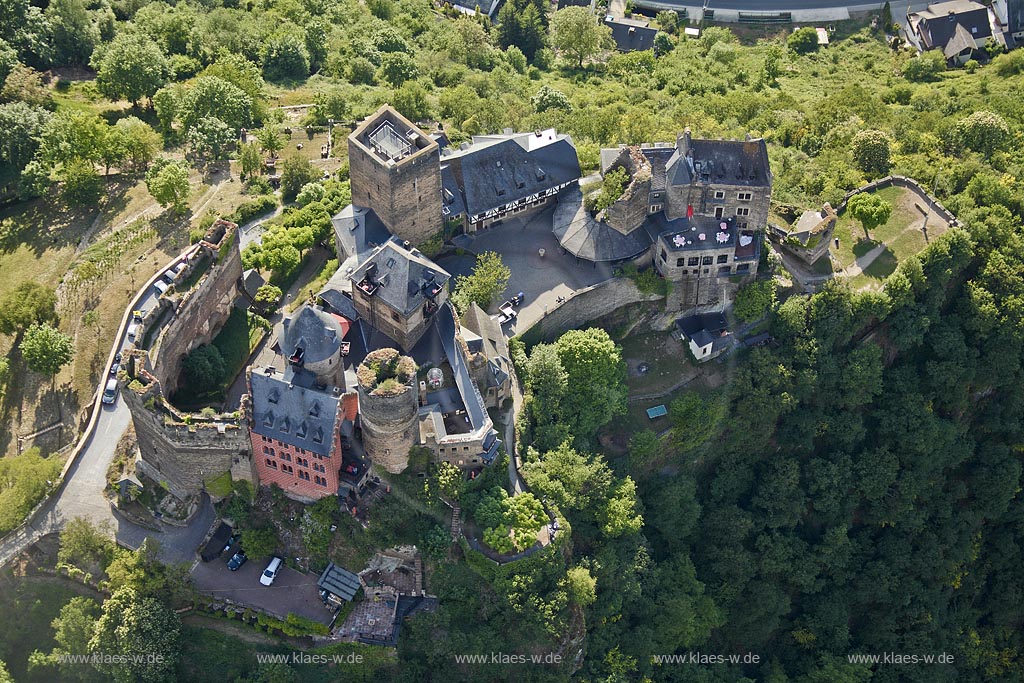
(545, 280)
(292, 592)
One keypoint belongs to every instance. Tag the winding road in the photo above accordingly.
(81, 492)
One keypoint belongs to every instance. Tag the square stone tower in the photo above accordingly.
(395, 171)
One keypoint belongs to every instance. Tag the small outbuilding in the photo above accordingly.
(337, 585)
(707, 334)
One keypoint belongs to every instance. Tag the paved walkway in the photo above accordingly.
(544, 279)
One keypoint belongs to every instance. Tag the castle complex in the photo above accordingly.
(379, 362)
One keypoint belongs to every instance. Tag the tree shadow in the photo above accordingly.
(55, 404)
(863, 246)
(883, 266)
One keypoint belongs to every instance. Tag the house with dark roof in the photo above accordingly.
(397, 290)
(960, 28)
(707, 335)
(1012, 23)
(631, 34)
(314, 339)
(496, 176)
(697, 209)
(295, 432)
(489, 362)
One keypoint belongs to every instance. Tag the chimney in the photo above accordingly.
(683, 143)
(423, 393)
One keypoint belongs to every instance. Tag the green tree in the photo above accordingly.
(984, 132)
(668, 21)
(204, 368)
(21, 127)
(549, 98)
(521, 27)
(450, 480)
(25, 305)
(25, 480)
(925, 67)
(870, 209)
(296, 172)
(695, 419)
(167, 181)
(80, 183)
(595, 388)
(398, 67)
(73, 33)
(209, 139)
(871, 152)
(144, 631)
(488, 280)
(803, 40)
(138, 140)
(250, 160)
(73, 629)
(130, 67)
(267, 296)
(84, 544)
(25, 84)
(411, 101)
(285, 58)
(261, 542)
(46, 349)
(329, 104)
(772, 67)
(210, 96)
(754, 300)
(270, 140)
(310, 192)
(5, 676)
(581, 585)
(576, 32)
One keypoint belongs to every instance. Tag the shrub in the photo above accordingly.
(803, 40)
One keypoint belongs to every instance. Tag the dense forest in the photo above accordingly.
(856, 487)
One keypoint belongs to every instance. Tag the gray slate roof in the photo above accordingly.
(339, 581)
(705, 328)
(516, 165)
(491, 340)
(598, 242)
(630, 35)
(359, 231)
(937, 25)
(315, 331)
(727, 162)
(252, 281)
(302, 416)
(402, 276)
(334, 296)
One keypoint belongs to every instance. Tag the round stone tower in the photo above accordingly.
(388, 409)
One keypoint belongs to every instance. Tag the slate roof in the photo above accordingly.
(729, 162)
(491, 340)
(251, 282)
(339, 581)
(516, 165)
(937, 24)
(333, 294)
(317, 332)
(705, 328)
(403, 277)
(630, 35)
(961, 40)
(359, 231)
(446, 329)
(598, 242)
(295, 411)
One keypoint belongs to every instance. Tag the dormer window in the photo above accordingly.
(318, 435)
(541, 175)
(314, 410)
(500, 191)
(268, 419)
(301, 430)
(285, 425)
(273, 397)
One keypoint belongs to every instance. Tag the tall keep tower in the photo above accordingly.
(395, 170)
(388, 408)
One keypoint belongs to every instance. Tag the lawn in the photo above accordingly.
(900, 235)
(666, 359)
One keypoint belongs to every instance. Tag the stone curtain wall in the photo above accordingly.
(910, 184)
(586, 305)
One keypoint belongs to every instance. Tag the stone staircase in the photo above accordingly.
(456, 522)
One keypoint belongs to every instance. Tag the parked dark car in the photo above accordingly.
(231, 541)
(116, 365)
(237, 560)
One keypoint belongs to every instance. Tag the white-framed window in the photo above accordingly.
(743, 211)
(744, 196)
(719, 194)
(719, 211)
